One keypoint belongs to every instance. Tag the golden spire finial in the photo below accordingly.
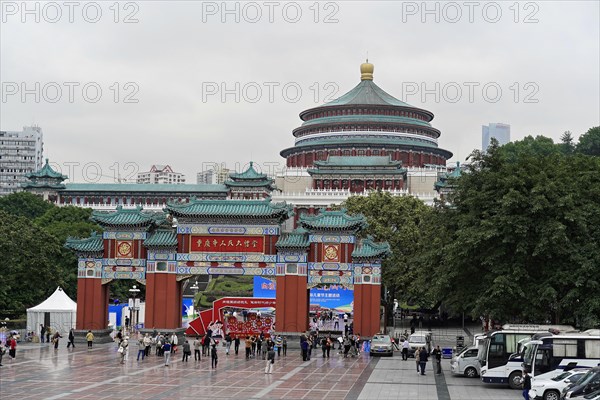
(366, 71)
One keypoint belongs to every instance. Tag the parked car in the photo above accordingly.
(417, 340)
(550, 389)
(466, 362)
(382, 344)
(589, 383)
(593, 396)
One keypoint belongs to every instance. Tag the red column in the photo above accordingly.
(366, 309)
(163, 301)
(92, 304)
(291, 311)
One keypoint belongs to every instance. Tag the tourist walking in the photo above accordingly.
(166, 350)
(11, 343)
(304, 347)
(147, 343)
(417, 360)
(405, 347)
(141, 349)
(236, 344)
(270, 361)
(437, 354)
(2, 351)
(123, 349)
(228, 341)
(55, 338)
(248, 343)
(48, 333)
(174, 342)
(213, 355)
(71, 339)
(89, 337)
(42, 332)
(284, 346)
(423, 359)
(278, 344)
(186, 351)
(197, 345)
(526, 383)
(253, 340)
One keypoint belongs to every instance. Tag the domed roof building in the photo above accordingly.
(364, 140)
(366, 122)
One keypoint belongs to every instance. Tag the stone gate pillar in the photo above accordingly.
(367, 299)
(291, 313)
(92, 295)
(163, 295)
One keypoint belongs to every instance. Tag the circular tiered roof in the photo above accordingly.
(366, 118)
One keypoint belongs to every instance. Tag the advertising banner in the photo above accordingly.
(332, 297)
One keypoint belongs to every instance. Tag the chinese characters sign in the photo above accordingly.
(227, 244)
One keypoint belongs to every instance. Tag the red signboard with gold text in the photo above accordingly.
(227, 244)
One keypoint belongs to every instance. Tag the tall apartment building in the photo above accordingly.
(21, 152)
(160, 174)
(216, 175)
(499, 131)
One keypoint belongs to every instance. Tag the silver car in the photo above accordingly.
(382, 344)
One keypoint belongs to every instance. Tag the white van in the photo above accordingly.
(466, 363)
(418, 340)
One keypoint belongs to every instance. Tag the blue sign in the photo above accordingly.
(334, 297)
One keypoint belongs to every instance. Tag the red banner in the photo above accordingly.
(227, 244)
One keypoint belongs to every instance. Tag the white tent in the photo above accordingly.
(59, 309)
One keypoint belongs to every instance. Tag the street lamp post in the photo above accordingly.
(133, 306)
(195, 289)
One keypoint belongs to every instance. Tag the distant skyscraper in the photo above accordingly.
(501, 132)
(20, 154)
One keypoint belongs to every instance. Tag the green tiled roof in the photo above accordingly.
(250, 173)
(358, 161)
(356, 171)
(332, 220)
(297, 239)
(231, 208)
(367, 248)
(367, 92)
(442, 182)
(42, 185)
(128, 217)
(162, 238)
(93, 244)
(249, 183)
(361, 118)
(145, 187)
(47, 172)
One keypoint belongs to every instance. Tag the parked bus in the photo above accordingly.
(549, 355)
(501, 346)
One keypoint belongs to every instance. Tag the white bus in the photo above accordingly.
(550, 355)
(500, 352)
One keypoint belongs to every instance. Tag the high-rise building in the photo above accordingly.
(216, 175)
(21, 153)
(498, 131)
(159, 174)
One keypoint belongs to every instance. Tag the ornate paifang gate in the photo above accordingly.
(227, 237)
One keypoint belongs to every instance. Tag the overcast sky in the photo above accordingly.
(162, 74)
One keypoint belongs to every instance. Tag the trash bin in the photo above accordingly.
(446, 352)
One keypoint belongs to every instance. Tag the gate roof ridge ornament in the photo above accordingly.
(333, 220)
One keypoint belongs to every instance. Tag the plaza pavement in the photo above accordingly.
(40, 372)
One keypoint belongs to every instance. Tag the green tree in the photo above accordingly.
(397, 220)
(589, 142)
(63, 222)
(24, 204)
(523, 237)
(567, 143)
(29, 256)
